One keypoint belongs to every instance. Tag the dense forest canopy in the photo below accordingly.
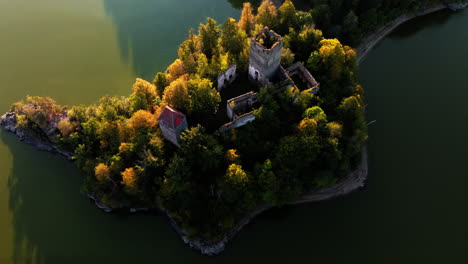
(350, 20)
(299, 140)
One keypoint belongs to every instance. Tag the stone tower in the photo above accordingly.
(265, 55)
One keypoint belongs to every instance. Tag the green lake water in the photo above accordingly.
(413, 209)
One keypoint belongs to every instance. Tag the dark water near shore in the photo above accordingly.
(413, 209)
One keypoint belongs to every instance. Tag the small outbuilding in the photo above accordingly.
(172, 123)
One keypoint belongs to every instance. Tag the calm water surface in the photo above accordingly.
(413, 209)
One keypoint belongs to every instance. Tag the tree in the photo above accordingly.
(235, 184)
(236, 176)
(269, 184)
(176, 95)
(176, 178)
(188, 51)
(143, 96)
(141, 121)
(247, 19)
(129, 180)
(102, 172)
(233, 39)
(335, 129)
(308, 127)
(315, 113)
(232, 156)
(351, 31)
(304, 42)
(204, 99)
(322, 16)
(267, 14)
(175, 70)
(332, 55)
(201, 150)
(287, 57)
(287, 16)
(203, 67)
(160, 81)
(209, 35)
(66, 128)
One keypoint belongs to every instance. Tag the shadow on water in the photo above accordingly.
(422, 23)
(150, 31)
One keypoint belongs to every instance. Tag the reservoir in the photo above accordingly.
(412, 210)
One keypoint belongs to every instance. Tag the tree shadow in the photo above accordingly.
(54, 223)
(150, 32)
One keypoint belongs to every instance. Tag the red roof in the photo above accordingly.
(171, 117)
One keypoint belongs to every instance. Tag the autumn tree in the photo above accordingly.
(267, 14)
(141, 121)
(143, 96)
(176, 95)
(175, 70)
(66, 128)
(247, 19)
(209, 36)
(102, 172)
(129, 180)
(235, 184)
(232, 156)
(308, 127)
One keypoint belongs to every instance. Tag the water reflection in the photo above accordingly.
(149, 31)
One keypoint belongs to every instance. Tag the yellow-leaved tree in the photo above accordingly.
(102, 172)
(247, 19)
(176, 95)
(267, 14)
(129, 180)
(141, 120)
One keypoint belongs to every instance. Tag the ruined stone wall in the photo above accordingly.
(227, 77)
(240, 105)
(240, 121)
(298, 69)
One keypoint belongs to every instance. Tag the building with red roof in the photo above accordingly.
(172, 123)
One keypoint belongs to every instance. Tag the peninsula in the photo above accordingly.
(252, 114)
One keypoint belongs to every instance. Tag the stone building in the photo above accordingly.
(172, 123)
(265, 56)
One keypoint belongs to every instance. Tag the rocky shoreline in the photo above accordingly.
(370, 41)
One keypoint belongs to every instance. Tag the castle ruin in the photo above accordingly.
(265, 56)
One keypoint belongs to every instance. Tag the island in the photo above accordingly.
(252, 115)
